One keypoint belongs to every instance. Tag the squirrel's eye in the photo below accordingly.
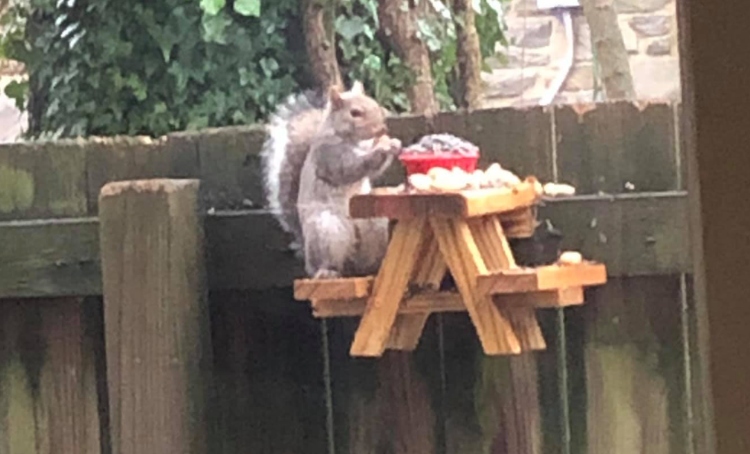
(356, 113)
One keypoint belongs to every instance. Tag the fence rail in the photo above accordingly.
(615, 377)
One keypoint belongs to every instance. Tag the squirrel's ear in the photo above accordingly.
(334, 95)
(358, 88)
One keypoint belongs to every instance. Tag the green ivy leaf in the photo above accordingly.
(373, 62)
(212, 7)
(214, 28)
(372, 8)
(350, 27)
(269, 66)
(213, 65)
(17, 92)
(247, 7)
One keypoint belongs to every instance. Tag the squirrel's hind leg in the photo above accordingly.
(329, 241)
(371, 247)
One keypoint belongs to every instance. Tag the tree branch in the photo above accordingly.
(609, 48)
(399, 26)
(320, 44)
(469, 56)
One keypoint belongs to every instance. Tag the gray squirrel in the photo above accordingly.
(318, 154)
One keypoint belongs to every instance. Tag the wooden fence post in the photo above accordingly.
(156, 316)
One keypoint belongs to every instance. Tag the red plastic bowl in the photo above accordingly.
(422, 163)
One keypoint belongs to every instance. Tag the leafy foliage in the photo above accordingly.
(106, 67)
(365, 56)
(109, 67)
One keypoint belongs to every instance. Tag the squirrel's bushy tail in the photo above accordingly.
(290, 132)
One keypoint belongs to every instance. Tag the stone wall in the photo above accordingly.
(538, 45)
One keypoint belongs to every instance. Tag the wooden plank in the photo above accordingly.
(626, 398)
(519, 139)
(519, 223)
(156, 316)
(632, 234)
(492, 402)
(630, 237)
(389, 288)
(492, 244)
(49, 371)
(429, 273)
(129, 158)
(521, 196)
(230, 168)
(48, 258)
(268, 368)
(50, 360)
(502, 404)
(323, 289)
(419, 304)
(227, 159)
(498, 256)
(451, 302)
(406, 331)
(385, 202)
(630, 394)
(248, 250)
(465, 264)
(617, 147)
(402, 388)
(544, 299)
(39, 180)
(542, 278)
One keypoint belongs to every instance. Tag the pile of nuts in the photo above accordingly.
(441, 144)
(444, 180)
(439, 179)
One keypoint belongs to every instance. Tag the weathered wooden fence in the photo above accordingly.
(617, 376)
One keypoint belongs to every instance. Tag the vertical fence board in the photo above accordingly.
(389, 404)
(520, 140)
(617, 147)
(230, 169)
(625, 344)
(494, 403)
(453, 398)
(48, 375)
(156, 316)
(268, 369)
(49, 400)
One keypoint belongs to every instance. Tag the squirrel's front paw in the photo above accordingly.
(326, 274)
(389, 145)
(395, 145)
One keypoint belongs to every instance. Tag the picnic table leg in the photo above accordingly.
(432, 268)
(460, 252)
(389, 288)
(498, 256)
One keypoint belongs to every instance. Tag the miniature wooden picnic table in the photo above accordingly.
(465, 233)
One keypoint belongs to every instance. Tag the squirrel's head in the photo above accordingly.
(355, 115)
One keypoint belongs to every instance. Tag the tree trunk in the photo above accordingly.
(609, 48)
(400, 27)
(469, 56)
(320, 44)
